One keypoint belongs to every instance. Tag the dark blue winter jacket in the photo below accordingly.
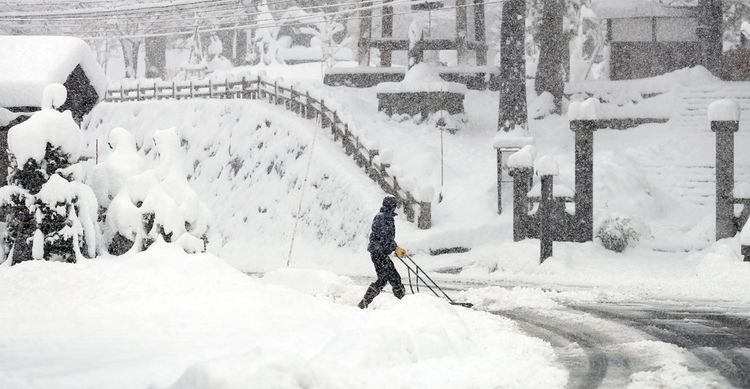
(383, 235)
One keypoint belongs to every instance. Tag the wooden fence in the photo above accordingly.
(298, 102)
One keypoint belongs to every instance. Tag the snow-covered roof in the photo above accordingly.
(618, 9)
(29, 63)
(745, 29)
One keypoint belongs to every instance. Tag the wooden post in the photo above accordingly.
(156, 92)
(275, 92)
(387, 32)
(174, 91)
(245, 93)
(210, 89)
(365, 25)
(545, 219)
(584, 176)
(226, 88)
(137, 92)
(260, 89)
(323, 117)
(725, 226)
(308, 106)
(334, 126)
(424, 222)
(462, 49)
(499, 161)
(122, 93)
(192, 91)
(521, 185)
(291, 100)
(480, 35)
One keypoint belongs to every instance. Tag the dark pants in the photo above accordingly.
(387, 273)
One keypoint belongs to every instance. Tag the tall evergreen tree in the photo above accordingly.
(553, 47)
(513, 111)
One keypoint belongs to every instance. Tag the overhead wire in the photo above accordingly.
(290, 22)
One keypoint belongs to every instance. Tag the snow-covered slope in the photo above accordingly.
(248, 162)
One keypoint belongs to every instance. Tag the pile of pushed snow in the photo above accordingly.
(248, 162)
(168, 319)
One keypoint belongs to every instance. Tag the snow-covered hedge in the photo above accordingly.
(142, 205)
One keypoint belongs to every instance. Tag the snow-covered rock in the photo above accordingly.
(724, 110)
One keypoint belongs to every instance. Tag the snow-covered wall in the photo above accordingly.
(247, 160)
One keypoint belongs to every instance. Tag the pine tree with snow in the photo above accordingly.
(51, 215)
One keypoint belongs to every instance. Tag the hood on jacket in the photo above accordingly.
(389, 205)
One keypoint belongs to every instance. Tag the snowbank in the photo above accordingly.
(168, 319)
(248, 162)
(30, 63)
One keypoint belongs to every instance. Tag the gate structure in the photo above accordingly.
(476, 76)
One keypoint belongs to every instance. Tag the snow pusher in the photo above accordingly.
(416, 269)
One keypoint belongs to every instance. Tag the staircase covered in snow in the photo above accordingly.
(691, 108)
(693, 183)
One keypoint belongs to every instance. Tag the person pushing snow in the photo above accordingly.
(382, 244)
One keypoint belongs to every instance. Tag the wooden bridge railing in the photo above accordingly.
(300, 103)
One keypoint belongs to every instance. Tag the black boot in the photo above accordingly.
(399, 292)
(372, 291)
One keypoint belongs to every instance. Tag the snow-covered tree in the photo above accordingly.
(324, 33)
(143, 205)
(51, 215)
(512, 109)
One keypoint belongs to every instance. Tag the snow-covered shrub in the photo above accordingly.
(618, 233)
(51, 214)
(143, 205)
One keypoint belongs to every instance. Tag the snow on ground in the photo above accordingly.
(653, 175)
(248, 162)
(173, 320)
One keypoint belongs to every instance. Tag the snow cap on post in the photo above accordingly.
(724, 110)
(523, 158)
(546, 166)
(586, 110)
(54, 96)
(745, 235)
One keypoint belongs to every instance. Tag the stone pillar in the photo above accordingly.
(480, 36)
(545, 219)
(462, 49)
(365, 26)
(584, 176)
(521, 186)
(725, 130)
(387, 31)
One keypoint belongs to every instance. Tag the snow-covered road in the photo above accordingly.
(616, 344)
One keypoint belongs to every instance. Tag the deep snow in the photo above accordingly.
(173, 320)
